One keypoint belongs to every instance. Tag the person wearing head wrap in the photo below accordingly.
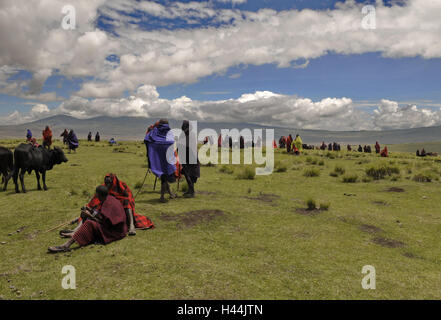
(28, 135)
(47, 137)
(72, 140)
(105, 225)
(188, 154)
(161, 162)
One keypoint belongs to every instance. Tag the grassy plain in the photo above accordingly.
(239, 238)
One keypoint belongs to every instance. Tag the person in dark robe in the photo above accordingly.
(423, 153)
(377, 147)
(242, 142)
(282, 142)
(72, 141)
(219, 141)
(190, 165)
(64, 135)
(335, 146)
(323, 146)
(47, 137)
(97, 137)
(418, 153)
(360, 149)
(28, 135)
(330, 147)
(368, 149)
(158, 141)
(349, 147)
(289, 141)
(384, 153)
(89, 137)
(103, 226)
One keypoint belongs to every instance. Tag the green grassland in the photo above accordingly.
(238, 238)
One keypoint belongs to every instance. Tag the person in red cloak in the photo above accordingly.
(384, 153)
(288, 143)
(47, 137)
(274, 144)
(377, 147)
(121, 192)
(105, 225)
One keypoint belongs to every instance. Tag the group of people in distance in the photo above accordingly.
(70, 139)
(292, 145)
(97, 137)
(111, 215)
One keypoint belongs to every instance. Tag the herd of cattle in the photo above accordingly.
(28, 158)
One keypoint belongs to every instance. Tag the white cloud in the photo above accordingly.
(35, 42)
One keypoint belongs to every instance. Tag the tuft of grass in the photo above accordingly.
(350, 178)
(280, 167)
(423, 177)
(311, 204)
(381, 171)
(321, 163)
(325, 206)
(226, 169)
(366, 179)
(247, 173)
(311, 172)
(339, 170)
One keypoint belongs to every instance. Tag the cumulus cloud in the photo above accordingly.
(261, 107)
(35, 42)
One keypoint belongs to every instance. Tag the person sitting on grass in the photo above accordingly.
(103, 226)
(120, 190)
(384, 153)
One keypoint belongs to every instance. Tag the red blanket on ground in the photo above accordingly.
(112, 228)
(122, 192)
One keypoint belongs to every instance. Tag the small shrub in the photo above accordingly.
(310, 204)
(308, 160)
(339, 170)
(324, 206)
(350, 178)
(366, 179)
(248, 173)
(381, 171)
(226, 169)
(312, 172)
(280, 167)
(422, 177)
(321, 163)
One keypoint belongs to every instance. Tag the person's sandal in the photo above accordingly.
(132, 233)
(57, 249)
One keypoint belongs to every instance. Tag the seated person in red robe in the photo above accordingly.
(121, 191)
(384, 153)
(106, 225)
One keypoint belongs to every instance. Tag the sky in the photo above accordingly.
(304, 64)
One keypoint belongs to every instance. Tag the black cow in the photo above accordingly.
(6, 165)
(29, 158)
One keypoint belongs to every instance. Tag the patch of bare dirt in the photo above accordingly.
(395, 189)
(370, 228)
(388, 243)
(380, 203)
(301, 235)
(207, 193)
(264, 197)
(308, 212)
(192, 218)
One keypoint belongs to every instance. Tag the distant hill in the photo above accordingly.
(133, 128)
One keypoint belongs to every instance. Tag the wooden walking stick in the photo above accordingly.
(154, 186)
(62, 225)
